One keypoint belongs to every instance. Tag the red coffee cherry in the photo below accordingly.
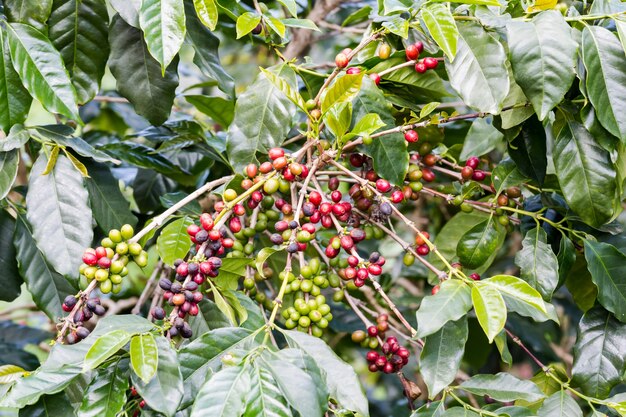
(411, 136)
(341, 60)
(411, 52)
(430, 63)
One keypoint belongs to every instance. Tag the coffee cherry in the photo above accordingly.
(513, 192)
(420, 67)
(411, 136)
(430, 159)
(435, 290)
(372, 331)
(115, 235)
(229, 194)
(430, 63)
(411, 52)
(472, 162)
(353, 70)
(503, 200)
(375, 77)
(90, 258)
(384, 50)
(420, 46)
(371, 356)
(467, 172)
(479, 175)
(383, 185)
(341, 60)
(275, 153)
(475, 276)
(158, 313)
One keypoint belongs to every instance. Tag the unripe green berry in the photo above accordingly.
(106, 286)
(115, 236)
(121, 248)
(134, 249)
(116, 279)
(102, 275)
(127, 231)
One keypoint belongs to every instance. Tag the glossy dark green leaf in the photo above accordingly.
(59, 212)
(109, 206)
(442, 27)
(128, 10)
(506, 175)
(441, 356)
(204, 354)
(265, 398)
(481, 138)
(206, 55)
(79, 31)
(143, 156)
(598, 360)
(489, 308)
(34, 13)
(224, 394)
(604, 57)
(192, 208)
(340, 378)
(478, 72)
(451, 303)
(104, 347)
(29, 389)
(503, 387)
(163, 25)
(585, 173)
(427, 85)
(581, 286)
(566, 258)
(262, 119)
(543, 56)
(518, 289)
(9, 162)
(539, 265)
(41, 69)
(174, 242)
(165, 391)
(529, 150)
(231, 270)
(14, 98)
(219, 109)
(10, 280)
(106, 394)
(560, 404)
(148, 188)
(16, 137)
(47, 286)
(391, 160)
(144, 358)
(57, 405)
(479, 243)
(138, 74)
(607, 266)
(209, 318)
(63, 135)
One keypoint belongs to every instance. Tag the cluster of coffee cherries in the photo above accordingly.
(369, 338)
(214, 242)
(359, 270)
(107, 263)
(392, 358)
(90, 308)
(413, 52)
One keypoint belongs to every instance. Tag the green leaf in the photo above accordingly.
(222, 304)
(265, 398)
(224, 394)
(505, 175)
(560, 404)
(165, 391)
(138, 74)
(529, 150)
(207, 12)
(203, 355)
(144, 357)
(441, 356)
(344, 89)
(62, 135)
(262, 119)
(398, 26)
(368, 124)
(459, 412)
(479, 243)
(603, 57)
(482, 137)
(47, 286)
(301, 23)
(106, 394)
(163, 25)
(29, 389)
(57, 405)
(490, 309)
(206, 55)
(276, 25)
(232, 269)
(246, 22)
(503, 348)
(58, 210)
(428, 109)
(538, 264)
(11, 373)
(442, 27)
(34, 13)
(566, 258)
(16, 137)
(478, 72)
(219, 109)
(41, 69)
(14, 98)
(144, 157)
(291, 6)
(174, 242)
(263, 256)
(451, 303)
(516, 97)
(620, 25)
(10, 280)
(9, 162)
(585, 173)
(503, 387)
(518, 289)
(104, 347)
(340, 378)
(406, 82)
(607, 266)
(79, 31)
(390, 157)
(543, 56)
(285, 88)
(128, 10)
(598, 362)
(110, 208)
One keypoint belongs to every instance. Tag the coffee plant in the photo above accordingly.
(363, 208)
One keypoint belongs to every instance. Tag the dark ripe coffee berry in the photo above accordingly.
(353, 70)
(277, 239)
(82, 332)
(176, 287)
(423, 250)
(275, 153)
(186, 331)
(193, 268)
(475, 276)
(472, 162)
(197, 297)
(158, 313)
(202, 236)
(357, 235)
(293, 224)
(336, 196)
(292, 247)
(376, 78)
(478, 175)
(338, 210)
(385, 348)
(66, 308)
(193, 310)
(385, 208)
(71, 338)
(70, 301)
(411, 136)
(356, 160)
(333, 183)
(420, 67)
(372, 331)
(467, 172)
(381, 362)
(207, 221)
(371, 356)
(411, 52)
(99, 310)
(182, 270)
(403, 352)
(430, 63)
(190, 286)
